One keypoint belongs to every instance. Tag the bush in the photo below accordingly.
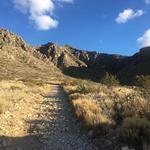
(109, 80)
(135, 130)
(90, 113)
(83, 89)
(143, 81)
(130, 106)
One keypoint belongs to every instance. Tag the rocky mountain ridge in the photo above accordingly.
(85, 64)
(20, 61)
(94, 65)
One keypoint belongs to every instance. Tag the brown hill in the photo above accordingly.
(20, 61)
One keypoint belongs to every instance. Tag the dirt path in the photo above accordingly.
(64, 132)
(53, 128)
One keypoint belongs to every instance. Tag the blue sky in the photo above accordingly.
(107, 26)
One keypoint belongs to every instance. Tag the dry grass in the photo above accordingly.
(13, 92)
(18, 104)
(90, 113)
(86, 108)
(3, 105)
(106, 105)
(24, 80)
(17, 64)
(135, 130)
(70, 89)
(123, 91)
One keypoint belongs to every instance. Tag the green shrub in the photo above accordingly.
(135, 130)
(143, 81)
(83, 89)
(109, 79)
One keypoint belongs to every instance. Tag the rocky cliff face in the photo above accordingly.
(78, 58)
(61, 56)
(94, 65)
(9, 38)
(79, 62)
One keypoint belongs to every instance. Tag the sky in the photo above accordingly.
(107, 26)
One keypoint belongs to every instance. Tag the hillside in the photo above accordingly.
(42, 106)
(60, 55)
(19, 61)
(73, 62)
(93, 65)
(25, 77)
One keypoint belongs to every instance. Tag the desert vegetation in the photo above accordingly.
(16, 102)
(102, 108)
(24, 81)
(107, 110)
(15, 91)
(20, 70)
(135, 131)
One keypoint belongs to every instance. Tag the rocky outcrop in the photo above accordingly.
(9, 38)
(61, 56)
(94, 65)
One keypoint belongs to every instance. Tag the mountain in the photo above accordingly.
(17, 58)
(61, 56)
(20, 61)
(95, 65)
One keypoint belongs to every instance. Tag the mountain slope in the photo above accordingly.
(20, 61)
(25, 77)
(73, 62)
(95, 66)
(137, 65)
(60, 55)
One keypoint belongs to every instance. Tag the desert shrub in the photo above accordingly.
(131, 105)
(143, 81)
(135, 130)
(109, 79)
(90, 114)
(83, 89)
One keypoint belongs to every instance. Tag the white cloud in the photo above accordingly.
(44, 22)
(40, 11)
(147, 1)
(144, 40)
(128, 14)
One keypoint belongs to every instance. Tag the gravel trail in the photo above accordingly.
(64, 132)
(48, 124)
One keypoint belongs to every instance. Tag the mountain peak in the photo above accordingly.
(9, 38)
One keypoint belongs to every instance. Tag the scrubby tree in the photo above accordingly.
(109, 79)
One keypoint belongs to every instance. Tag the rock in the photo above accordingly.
(90, 133)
